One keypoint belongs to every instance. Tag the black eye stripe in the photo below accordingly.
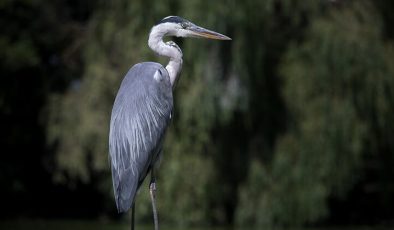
(172, 19)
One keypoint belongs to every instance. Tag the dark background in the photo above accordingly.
(289, 124)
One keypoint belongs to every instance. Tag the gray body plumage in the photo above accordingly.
(140, 116)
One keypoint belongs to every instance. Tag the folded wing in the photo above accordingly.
(139, 119)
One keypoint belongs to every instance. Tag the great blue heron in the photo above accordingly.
(142, 111)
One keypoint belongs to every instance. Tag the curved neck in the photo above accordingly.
(168, 49)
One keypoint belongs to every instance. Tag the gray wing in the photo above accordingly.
(139, 119)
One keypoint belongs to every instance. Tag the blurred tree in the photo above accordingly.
(268, 128)
(338, 91)
(38, 56)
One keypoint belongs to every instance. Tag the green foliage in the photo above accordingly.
(332, 80)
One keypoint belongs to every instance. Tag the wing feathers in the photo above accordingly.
(139, 119)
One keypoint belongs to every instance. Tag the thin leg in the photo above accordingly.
(132, 216)
(152, 190)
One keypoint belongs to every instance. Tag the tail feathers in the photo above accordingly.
(125, 190)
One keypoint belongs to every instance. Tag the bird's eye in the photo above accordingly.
(184, 25)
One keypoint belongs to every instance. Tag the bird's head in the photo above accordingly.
(180, 27)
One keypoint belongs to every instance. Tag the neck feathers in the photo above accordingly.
(169, 49)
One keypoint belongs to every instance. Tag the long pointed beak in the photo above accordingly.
(204, 33)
